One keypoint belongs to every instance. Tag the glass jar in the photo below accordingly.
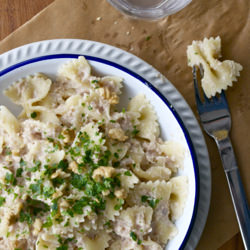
(149, 9)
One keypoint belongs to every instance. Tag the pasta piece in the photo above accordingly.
(99, 241)
(8, 121)
(56, 156)
(114, 83)
(148, 126)
(118, 149)
(77, 70)
(178, 197)
(153, 173)
(47, 241)
(217, 75)
(151, 245)
(162, 232)
(127, 178)
(46, 116)
(138, 154)
(110, 212)
(29, 90)
(125, 243)
(160, 190)
(10, 211)
(134, 219)
(175, 153)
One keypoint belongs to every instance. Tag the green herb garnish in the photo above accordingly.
(127, 173)
(33, 115)
(2, 200)
(151, 201)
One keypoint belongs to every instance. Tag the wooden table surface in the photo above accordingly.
(13, 13)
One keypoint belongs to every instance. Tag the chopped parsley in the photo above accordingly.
(60, 136)
(127, 173)
(2, 200)
(34, 168)
(63, 164)
(33, 115)
(134, 237)
(48, 222)
(54, 208)
(107, 224)
(19, 172)
(10, 179)
(25, 217)
(116, 155)
(36, 188)
(78, 181)
(150, 200)
(135, 131)
(7, 151)
(22, 163)
(48, 191)
(62, 247)
(119, 205)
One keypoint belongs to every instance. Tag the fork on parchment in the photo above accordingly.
(216, 120)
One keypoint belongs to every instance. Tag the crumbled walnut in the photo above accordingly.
(15, 153)
(114, 99)
(111, 97)
(63, 204)
(106, 172)
(118, 134)
(66, 134)
(57, 194)
(60, 173)
(37, 226)
(74, 167)
(120, 193)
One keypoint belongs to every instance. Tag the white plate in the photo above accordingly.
(176, 119)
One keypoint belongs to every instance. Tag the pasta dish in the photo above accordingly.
(76, 173)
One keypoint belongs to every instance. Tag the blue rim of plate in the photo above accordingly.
(157, 92)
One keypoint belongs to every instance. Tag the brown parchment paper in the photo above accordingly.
(163, 44)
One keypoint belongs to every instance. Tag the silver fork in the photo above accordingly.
(216, 120)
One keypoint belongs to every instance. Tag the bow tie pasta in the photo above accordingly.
(75, 173)
(218, 75)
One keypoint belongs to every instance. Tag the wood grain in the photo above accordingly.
(13, 13)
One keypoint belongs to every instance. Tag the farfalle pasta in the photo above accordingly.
(218, 75)
(75, 173)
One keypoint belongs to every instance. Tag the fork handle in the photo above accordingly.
(236, 189)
